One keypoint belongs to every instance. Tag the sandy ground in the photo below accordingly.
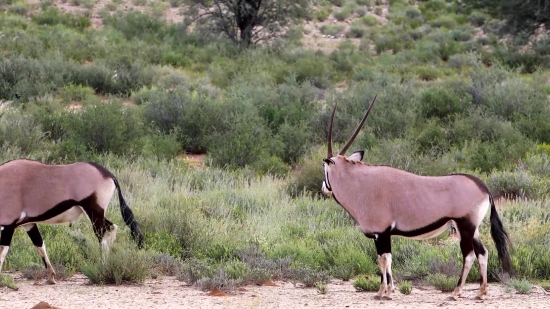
(167, 292)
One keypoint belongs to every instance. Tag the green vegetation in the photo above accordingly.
(405, 287)
(138, 91)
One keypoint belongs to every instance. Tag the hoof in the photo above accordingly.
(452, 298)
(480, 297)
(377, 297)
(386, 298)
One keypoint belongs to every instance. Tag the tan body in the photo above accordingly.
(397, 192)
(386, 202)
(32, 192)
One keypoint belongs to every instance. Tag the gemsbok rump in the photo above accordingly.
(32, 192)
(386, 201)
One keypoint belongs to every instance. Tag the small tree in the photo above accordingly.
(245, 22)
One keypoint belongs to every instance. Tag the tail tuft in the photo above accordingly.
(500, 237)
(129, 219)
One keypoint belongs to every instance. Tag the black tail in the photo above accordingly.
(128, 217)
(500, 237)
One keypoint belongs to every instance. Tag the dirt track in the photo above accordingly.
(170, 293)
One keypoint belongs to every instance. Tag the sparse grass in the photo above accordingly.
(8, 282)
(405, 287)
(521, 286)
(321, 287)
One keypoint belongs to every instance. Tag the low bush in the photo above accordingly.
(120, 265)
(442, 282)
(367, 283)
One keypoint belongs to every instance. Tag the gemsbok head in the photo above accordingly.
(385, 201)
(32, 192)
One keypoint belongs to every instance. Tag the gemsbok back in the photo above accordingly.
(32, 192)
(386, 201)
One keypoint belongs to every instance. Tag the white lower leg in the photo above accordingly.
(3, 252)
(49, 267)
(109, 238)
(389, 261)
(382, 263)
(482, 259)
(468, 261)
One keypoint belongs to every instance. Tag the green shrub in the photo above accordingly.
(441, 102)
(308, 276)
(187, 113)
(442, 282)
(444, 22)
(521, 286)
(121, 265)
(356, 31)
(477, 19)
(76, 93)
(513, 184)
(368, 20)
(19, 8)
(405, 287)
(7, 281)
(321, 15)
(106, 127)
(367, 283)
(308, 175)
(136, 25)
(21, 131)
(333, 30)
(53, 16)
(342, 14)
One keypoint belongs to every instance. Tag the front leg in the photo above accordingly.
(383, 250)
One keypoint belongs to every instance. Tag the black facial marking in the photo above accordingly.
(328, 161)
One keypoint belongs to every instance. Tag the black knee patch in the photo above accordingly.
(478, 247)
(388, 277)
(35, 236)
(383, 242)
(6, 235)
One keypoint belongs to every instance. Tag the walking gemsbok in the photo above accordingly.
(386, 201)
(32, 192)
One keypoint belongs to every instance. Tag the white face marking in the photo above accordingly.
(23, 215)
(1, 228)
(393, 225)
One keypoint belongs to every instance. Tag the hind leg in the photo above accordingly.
(5, 241)
(104, 230)
(383, 250)
(482, 257)
(468, 255)
(36, 238)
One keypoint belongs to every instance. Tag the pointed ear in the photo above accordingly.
(357, 156)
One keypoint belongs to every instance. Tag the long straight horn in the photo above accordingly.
(358, 128)
(329, 137)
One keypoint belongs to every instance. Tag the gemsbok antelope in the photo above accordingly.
(386, 201)
(32, 192)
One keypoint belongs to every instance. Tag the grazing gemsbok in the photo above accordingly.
(32, 192)
(386, 201)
